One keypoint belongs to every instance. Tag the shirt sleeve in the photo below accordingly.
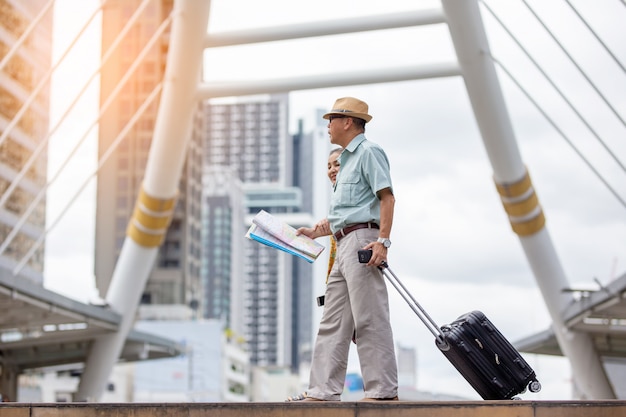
(376, 169)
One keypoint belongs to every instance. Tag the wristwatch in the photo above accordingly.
(386, 242)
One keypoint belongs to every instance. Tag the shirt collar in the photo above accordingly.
(354, 143)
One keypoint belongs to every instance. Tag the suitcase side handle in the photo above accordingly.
(417, 308)
(430, 324)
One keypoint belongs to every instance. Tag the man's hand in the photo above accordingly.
(379, 253)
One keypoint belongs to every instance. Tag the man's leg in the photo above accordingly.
(370, 308)
(332, 345)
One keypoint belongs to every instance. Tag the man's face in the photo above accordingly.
(336, 125)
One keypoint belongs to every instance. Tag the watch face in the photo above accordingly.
(386, 242)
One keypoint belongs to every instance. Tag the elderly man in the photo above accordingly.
(360, 217)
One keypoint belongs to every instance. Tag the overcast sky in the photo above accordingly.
(452, 242)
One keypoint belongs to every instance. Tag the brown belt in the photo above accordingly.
(343, 232)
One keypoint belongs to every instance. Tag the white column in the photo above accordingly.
(155, 205)
(517, 192)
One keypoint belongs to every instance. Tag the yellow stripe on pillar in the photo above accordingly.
(515, 189)
(522, 206)
(531, 226)
(144, 239)
(151, 218)
(155, 204)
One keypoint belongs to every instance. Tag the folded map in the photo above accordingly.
(273, 232)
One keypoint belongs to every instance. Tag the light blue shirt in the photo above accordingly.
(364, 171)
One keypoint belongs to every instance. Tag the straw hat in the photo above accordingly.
(350, 107)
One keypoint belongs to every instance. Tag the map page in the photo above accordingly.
(261, 236)
(285, 235)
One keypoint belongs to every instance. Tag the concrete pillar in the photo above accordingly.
(517, 192)
(155, 205)
(8, 382)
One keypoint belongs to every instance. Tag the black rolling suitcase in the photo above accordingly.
(476, 348)
(486, 359)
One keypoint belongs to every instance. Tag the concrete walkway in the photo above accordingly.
(608, 408)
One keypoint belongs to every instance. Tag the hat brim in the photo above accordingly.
(363, 116)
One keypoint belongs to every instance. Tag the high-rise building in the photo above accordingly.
(251, 136)
(407, 366)
(222, 244)
(213, 368)
(277, 293)
(23, 128)
(175, 279)
(270, 293)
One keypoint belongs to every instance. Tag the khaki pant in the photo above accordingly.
(356, 298)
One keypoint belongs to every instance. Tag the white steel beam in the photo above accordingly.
(283, 85)
(331, 27)
(155, 205)
(517, 193)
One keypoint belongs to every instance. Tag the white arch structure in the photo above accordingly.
(183, 88)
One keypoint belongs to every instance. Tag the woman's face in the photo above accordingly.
(333, 166)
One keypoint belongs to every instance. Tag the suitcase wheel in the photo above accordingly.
(534, 386)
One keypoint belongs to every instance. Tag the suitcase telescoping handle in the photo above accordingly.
(430, 324)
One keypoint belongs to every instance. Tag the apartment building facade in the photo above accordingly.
(24, 120)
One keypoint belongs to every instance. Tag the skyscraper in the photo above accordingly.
(270, 295)
(175, 279)
(23, 128)
(407, 366)
(277, 294)
(222, 243)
